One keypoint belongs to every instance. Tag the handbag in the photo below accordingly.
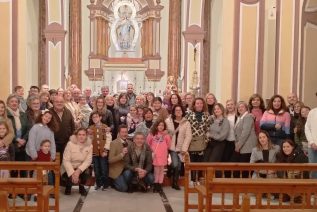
(4, 154)
(197, 144)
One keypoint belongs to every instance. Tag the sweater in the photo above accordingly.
(219, 129)
(38, 133)
(43, 157)
(311, 127)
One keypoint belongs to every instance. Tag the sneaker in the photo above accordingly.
(97, 187)
(104, 188)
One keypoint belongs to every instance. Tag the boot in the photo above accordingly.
(175, 180)
(160, 187)
(82, 190)
(155, 187)
(68, 189)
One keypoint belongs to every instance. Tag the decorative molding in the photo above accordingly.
(94, 74)
(55, 33)
(154, 74)
(194, 34)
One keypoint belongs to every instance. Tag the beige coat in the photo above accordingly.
(76, 156)
(184, 135)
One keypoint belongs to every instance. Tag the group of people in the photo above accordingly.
(130, 139)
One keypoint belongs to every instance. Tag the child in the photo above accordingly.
(43, 130)
(4, 150)
(101, 138)
(44, 155)
(133, 121)
(159, 141)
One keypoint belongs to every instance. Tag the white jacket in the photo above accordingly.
(311, 127)
(184, 135)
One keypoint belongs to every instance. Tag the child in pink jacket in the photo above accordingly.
(159, 142)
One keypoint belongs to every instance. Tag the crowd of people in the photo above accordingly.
(130, 139)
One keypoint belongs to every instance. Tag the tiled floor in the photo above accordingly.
(113, 201)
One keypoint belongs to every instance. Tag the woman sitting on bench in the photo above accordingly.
(292, 153)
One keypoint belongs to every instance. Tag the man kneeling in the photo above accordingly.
(138, 164)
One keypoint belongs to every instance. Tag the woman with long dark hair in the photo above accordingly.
(264, 152)
(122, 109)
(199, 121)
(292, 153)
(257, 108)
(180, 130)
(276, 120)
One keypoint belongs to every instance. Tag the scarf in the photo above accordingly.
(199, 116)
(16, 116)
(137, 161)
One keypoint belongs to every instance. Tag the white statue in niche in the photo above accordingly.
(125, 29)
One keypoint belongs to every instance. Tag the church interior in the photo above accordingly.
(231, 48)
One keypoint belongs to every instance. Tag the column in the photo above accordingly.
(75, 42)
(174, 38)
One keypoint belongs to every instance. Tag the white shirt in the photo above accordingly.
(231, 118)
(311, 127)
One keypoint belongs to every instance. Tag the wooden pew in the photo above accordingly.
(4, 207)
(256, 186)
(245, 207)
(26, 186)
(19, 185)
(190, 190)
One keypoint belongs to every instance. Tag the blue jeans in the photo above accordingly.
(312, 158)
(121, 182)
(101, 170)
(129, 175)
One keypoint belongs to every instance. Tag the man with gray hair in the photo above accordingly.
(138, 164)
(104, 91)
(130, 94)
